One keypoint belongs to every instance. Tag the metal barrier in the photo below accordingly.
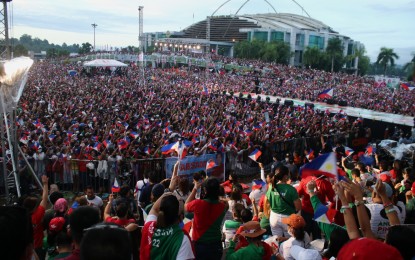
(75, 175)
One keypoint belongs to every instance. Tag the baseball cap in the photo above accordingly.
(299, 253)
(295, 221)
(366, 248)
(56, 224)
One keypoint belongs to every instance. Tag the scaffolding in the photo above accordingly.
(5, 52)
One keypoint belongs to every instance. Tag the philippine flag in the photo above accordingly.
(51, 137)
(168, 130)
(258, 184)
(210, 164)
(115, 187)
(370, 150)
(205, 91)
(24, 139)
(134, 135)
(122, 144)
(348, 150)
(323, 165)
(328, 93)
(324, 215)
(106, 143)
(255, 155)
(310, 154)
(147, 150)
(407, 86)
(97, 146)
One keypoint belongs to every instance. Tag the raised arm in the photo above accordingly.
(349, 220)
(44, 202)
(173, 182)
(362, 216)
(261, 166)
(388, 204)
(107, 211)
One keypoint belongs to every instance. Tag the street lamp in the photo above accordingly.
(94, 25)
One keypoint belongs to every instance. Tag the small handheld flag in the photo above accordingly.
(115, 187)
(324, 215)
(348, 151)
(328, 93)
(255, 155)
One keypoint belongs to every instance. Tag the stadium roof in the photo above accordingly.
(227, 28)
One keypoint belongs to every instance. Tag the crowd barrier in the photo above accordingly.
(101, 174)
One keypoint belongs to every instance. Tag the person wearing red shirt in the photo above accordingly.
(37, 213)
(121, 211)
(324, 192)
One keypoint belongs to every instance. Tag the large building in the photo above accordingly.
(220, 33)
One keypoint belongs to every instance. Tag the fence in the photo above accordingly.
(76, 174)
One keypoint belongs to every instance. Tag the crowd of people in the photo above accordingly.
(74, 129)
(83, 128)
(368, 213)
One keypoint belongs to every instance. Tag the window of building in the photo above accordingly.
(299, 40)
(316, 41)
(277, 36)
(261, 36)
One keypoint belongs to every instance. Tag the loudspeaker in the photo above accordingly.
(343, 103)
(289, 103)
(310, 105)
(330, 101)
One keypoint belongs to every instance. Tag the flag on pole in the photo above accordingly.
(106, 143)
(348, 151)
(325, 164)
(407, 86)
(310, 154)
(134, 135)
(115, 187)
(51, 137)
(255, 155)
(328, 93)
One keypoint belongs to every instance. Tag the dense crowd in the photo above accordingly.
(65, 122)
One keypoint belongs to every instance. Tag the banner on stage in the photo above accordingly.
(191, 164)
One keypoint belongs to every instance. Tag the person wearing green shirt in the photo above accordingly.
(255, 249)
(284, 201)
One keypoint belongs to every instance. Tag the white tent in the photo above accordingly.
(104, 63)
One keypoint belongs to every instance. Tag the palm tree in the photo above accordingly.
(334, 50)
(410, 68)
(385, 57)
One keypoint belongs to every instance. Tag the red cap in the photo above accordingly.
(56, 224)
(413, 188)
(385, 177)
(366, 248)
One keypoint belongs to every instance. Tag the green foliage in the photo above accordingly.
(334, 51)
(20, 50)
(26, 43)
(409, 69)
(363, 66)
(86, 47)
(386, 57)
(275, 51)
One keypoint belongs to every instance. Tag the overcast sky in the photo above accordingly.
(374, 23)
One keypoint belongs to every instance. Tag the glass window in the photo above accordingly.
(262, 36)
(316, 41)
(277, 36)
(299, 40)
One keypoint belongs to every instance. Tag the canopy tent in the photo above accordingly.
(104, 63)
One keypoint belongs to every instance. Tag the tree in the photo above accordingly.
(51, 53)
(409, 68)
(363, 65)
(385, 57)
(85, 48)
(312, 57)
(20, 50)
(335, 51)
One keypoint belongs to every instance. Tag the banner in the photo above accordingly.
(381, 81)
(192, 164)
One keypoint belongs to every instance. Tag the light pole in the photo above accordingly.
(94, 25)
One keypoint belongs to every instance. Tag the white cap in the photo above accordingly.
(299, 253)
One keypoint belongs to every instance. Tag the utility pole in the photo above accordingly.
(141, 41)
(94, 25)
(4, 31)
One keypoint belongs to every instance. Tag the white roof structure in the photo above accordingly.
(104, 63)
(287, 21)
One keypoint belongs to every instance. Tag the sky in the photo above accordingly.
(376, 24)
